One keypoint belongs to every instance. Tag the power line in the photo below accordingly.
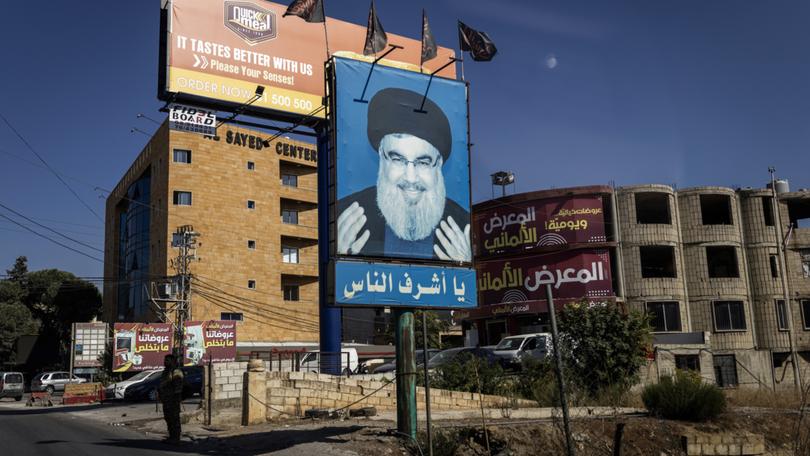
(51, 239)
(49, 167)
(50, 229)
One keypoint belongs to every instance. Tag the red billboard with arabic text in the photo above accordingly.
(213, 341)
(571, 274)
(549, 222)
(141, 346)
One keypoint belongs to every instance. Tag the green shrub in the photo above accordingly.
(684, 397)
(461, 376)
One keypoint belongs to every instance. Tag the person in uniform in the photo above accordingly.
(170, 393)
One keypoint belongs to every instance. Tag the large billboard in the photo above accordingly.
(402, 165)
(141, 346)
(215, 53)
(572, 274)
(213, 341)
(543, 223)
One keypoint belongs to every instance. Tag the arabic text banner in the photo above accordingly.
(572, 274)
(548, 222)
(209, 340)
(403, 285)
(141, 346)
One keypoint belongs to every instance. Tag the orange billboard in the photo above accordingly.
(216, 52)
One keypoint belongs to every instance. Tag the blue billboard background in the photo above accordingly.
(358, 163)
(405, 285)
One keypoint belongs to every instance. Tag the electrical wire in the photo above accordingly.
(31, 148)
(50, 229)
(51, 239)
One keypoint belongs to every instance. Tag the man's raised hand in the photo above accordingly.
(349, 224)
(455, 242)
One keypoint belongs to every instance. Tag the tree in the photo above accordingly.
(604, 346)
(18, 272)
(435, 323)
(15, 319)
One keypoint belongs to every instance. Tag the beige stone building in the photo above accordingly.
(255, 209)
(706, 263)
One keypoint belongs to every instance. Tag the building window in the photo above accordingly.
(781, 315)
(716, 209)
(664, 316)
(290, 180)
(687, 362)
(251, 244)
(289, 254)
(182, 156)
(806, 313)
(657, 261)
(289, 216)
(182, 198)
(725, 370)
(805, 256)
(252, 284)
(722, 261)
(251, 204)
(774, 266)
(767, 210)
(729, 316)
(251, 166)
(291, 293)
(231, 316)
(652, 208)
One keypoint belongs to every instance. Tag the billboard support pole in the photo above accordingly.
(427, 382)
(406, 373)
(558, 367)
(329, 316)
(430, 80)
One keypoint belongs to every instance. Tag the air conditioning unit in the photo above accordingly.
(168, 290)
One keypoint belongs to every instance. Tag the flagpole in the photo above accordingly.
(325, 33)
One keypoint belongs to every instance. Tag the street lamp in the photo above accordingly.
(502, 179)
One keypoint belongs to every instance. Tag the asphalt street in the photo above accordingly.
(51, 431)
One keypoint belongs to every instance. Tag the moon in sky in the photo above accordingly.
(551, 61)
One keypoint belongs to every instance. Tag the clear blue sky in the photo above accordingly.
(688, 92)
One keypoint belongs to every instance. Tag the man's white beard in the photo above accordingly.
(410, 221)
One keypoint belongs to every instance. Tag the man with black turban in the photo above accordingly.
(407, 213)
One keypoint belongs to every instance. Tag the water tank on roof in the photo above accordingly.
(782, 186)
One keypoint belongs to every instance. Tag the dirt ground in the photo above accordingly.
(643, 436)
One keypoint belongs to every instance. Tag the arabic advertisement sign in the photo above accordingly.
(194, 120)
(402, 165)
(209, 340)
(390, 284)
(572, 274)
(89, 344)
(221, 50)
(141, 346)
(524, 226)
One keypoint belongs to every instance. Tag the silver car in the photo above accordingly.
(53, 381)
(11, 385)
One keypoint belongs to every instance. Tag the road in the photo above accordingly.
(52, 431)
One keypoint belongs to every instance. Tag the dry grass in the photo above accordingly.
(749, 397)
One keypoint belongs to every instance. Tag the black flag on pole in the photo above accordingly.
(376, 39)
(477, 43)
(428, 43)
(309, 10)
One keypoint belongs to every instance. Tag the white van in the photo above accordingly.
(514, 349)
(349, 361)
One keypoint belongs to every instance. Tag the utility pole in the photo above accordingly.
(780, 240)
(184, 239)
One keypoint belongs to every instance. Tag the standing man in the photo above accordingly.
(408, 212)
(170, 392)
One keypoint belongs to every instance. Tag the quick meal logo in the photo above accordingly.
(251, 23)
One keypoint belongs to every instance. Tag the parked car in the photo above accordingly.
(11, 385)
(148, 389)
(116, 390)
(513, 350)
(54, 381)
(459, 354)
(392, 366)
(349, 361)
